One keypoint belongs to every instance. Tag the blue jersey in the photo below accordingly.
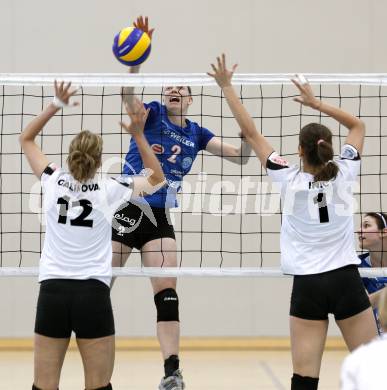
(372, 284)
(175, 147)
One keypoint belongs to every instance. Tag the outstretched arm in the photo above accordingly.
(36, 158)
(355, 125)
(128, 92)
(230, 152)
(258, 142)
(155, 179)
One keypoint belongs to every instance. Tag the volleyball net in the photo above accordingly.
(229, 215)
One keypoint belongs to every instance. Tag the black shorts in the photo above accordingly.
(133, 228)
(340, 292)
(82, 306)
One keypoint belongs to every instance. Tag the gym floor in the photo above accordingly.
(202, 370)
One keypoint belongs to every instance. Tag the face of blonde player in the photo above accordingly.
(177, 99)
(370, 236)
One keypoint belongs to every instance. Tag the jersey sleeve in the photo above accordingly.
(278, 169)
(120, 189)
(349, 162)
(48, 174)
(154, 112)
(205, 136)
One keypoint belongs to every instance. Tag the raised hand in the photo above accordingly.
(221, 74)
(142, 24)
(306, 97)
(63, 93)
(138, 116)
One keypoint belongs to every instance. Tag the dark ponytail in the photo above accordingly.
(316, 143)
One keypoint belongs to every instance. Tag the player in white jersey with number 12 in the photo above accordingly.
(75, 266)
(317, 233)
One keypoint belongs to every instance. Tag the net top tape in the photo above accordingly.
(264, 272)
(191, 79)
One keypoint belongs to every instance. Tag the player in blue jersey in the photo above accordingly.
(176, 141)
(373, 238)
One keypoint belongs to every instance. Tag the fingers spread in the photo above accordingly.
(302, 79)
(66, 87)
(223, 61)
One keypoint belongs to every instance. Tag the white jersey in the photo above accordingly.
(317, 233)
(365, 368)
(77, 244)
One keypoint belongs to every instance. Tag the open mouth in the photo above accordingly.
(174, 99)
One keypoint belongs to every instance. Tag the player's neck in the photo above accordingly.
(313, 170)
(378, 257)
(177, 120)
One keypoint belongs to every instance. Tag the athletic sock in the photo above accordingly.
(171, 365)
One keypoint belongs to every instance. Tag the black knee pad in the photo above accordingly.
(167, 305)
(304, 382)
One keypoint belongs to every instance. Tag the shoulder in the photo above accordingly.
(196, 128)
(275, 162)
(348, 162)
(279, 169)
(50, 171)
(349, 152)
(364, 258)
(154, 106)
(124, 180)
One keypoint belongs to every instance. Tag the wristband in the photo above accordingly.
(58, 103)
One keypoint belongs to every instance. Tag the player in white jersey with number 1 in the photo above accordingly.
(317, 233)
(75, 265)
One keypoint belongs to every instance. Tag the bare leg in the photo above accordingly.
(308, 341)
(358, 329)
(162, 253)
(120, 256)
(49, 355)
(98, 360)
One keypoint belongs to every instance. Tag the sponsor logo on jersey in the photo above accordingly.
(75, 187)
(177, 137)
(173, 184)
(276, 159)
(349, 153)
(176, 173)
(122, 217)
(187, 162)
(157, 148)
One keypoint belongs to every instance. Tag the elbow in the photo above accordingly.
(360, 127)
(155, 183)
(22, 140)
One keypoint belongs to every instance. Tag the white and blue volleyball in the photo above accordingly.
(131, 46)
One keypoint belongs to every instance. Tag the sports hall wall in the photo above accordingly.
(262, 37)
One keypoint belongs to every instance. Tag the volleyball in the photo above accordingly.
(131, 46)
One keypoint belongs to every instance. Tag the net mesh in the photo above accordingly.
(228, 219)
